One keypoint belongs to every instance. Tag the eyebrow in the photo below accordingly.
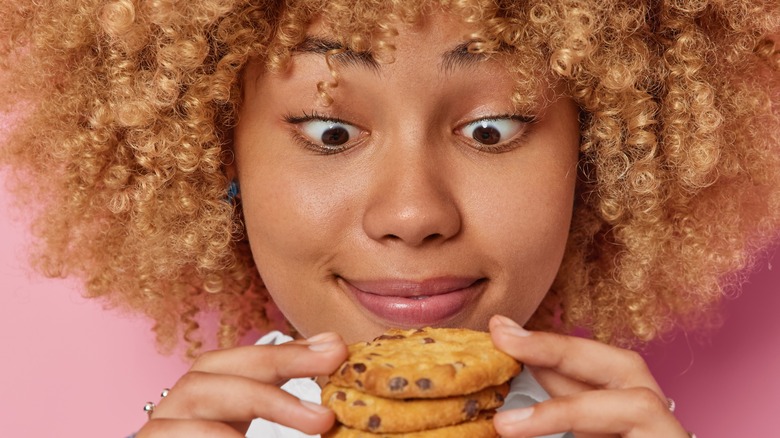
(342, 55)
(459, 57)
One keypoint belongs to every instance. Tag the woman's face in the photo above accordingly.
(419, 197)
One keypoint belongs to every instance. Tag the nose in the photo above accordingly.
(412, 200)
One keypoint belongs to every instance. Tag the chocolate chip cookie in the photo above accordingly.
(425, 363)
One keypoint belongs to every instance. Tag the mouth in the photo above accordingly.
(410, 303)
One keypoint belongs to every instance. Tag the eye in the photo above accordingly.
(328, 133)
(495, 130)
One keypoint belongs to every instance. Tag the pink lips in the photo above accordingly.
(407, 303)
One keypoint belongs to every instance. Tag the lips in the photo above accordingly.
(406, 303)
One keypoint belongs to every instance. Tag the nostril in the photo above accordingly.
(412, 216)
(432, 237)
(429, 238)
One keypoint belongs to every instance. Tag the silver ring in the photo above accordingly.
(149, 406)
(149, 409)
(671, 404)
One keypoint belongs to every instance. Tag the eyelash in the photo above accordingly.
(330, 150)
(505, 146)
(310, 145)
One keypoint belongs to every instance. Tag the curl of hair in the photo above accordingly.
(124, 129)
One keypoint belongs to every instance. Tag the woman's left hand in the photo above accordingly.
(596, 390)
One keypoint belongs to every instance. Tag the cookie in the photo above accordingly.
(425, 363)
(481, 427)
(359, 410)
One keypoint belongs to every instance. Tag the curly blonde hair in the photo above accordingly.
(124, 111)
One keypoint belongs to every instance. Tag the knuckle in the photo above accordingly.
(632, 364)
(189, 380)
(634, 360)
(557, 348)
(646, 402)
(204, 361)
(184, 396)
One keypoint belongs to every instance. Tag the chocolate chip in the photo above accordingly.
(471, 409)
(341, 395)
(398, 383)
(429, 341)
(358, 383)
(419, 331)
(423, 383)
(358, 403)
(374, 421)
(359, 367)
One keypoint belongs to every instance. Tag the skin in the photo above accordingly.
(410, 197)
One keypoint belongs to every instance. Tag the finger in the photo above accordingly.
(556, 384)
(584, 360)
(630, 413)
(170, 428)
(236, 399)
(320, 355)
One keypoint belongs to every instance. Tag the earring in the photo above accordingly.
(233, 192)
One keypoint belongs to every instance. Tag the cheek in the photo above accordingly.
(524, 223)
(287, 226)
(290, 216)
(527, 208)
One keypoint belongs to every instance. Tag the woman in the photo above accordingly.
(362, 165)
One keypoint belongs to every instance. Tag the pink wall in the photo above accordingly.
(72, 369)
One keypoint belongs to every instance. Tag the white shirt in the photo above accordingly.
(524, 391)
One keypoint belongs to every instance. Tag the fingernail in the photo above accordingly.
(323, 342)
(513, 416)
(314, 407)
(511, 327)
(320, 337)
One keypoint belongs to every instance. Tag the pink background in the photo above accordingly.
(72, 369)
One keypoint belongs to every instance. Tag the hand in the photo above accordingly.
(225, 390)
(596, 390)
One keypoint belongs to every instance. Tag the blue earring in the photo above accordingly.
(233, 191)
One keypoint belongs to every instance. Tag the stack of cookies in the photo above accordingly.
(420, 383)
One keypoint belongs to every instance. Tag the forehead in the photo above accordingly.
(383, 30)
(439, 38)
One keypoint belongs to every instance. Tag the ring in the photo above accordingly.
(149, 406)
(671, 404)
(149, 409)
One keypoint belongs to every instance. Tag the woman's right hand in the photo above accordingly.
(225, 390)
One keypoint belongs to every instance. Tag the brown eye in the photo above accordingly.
(328, 133)
(486, 135)
(494, 131)
(335, 136)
